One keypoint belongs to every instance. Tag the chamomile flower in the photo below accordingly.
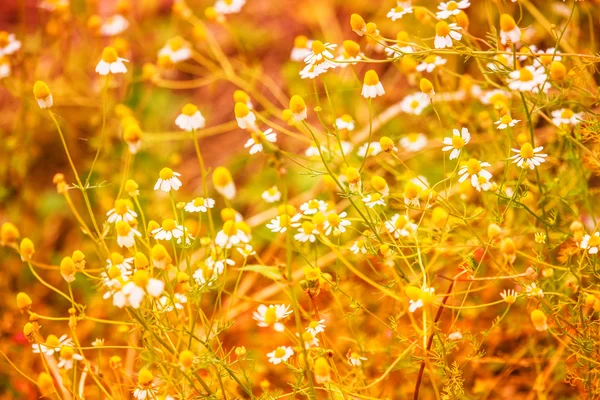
(111, 63)
(205, 276)
(400, 226)
(350, 55)
(456, 142)
(175, 303)
(414, 104)
(373, 148)
(402, 8)
(413, 142)
(244, 117)
(255, 142)
(68, 357)
(281, 223)
(114, 25)
(354, 359)
(229, 6)
(199, 204)
(528, 79)
(246, 251)
(122, 211)
(42, 94)
(168, 230)
(506, 121)
(223, 182)
(123, 264)
(373, 199)
(230, 235)
(372, 87)
(528, 157)
(474, 169)
(302, 48)
(566, 116)
(52, 345)
(271, 195)
(345, 122)
(134, 291)
(451, 8)
(419, 297)
(280, 354)
(307, 232)
(359, 247)
(146, 388)
(176, 50)
(497, 97)
(272, 315)
(445, 33)
(509, 31)
(501, 63)
(313, 206)
(591, 243)
(412, 194)
(430, 63)
(336, 223)
(218, 260)
(190, 118)
(509, 296)
(539, 320)
(320, 51)
(316, 327)
(8, 43)
(534, 290)
(168, 180)
(126, 234)
(5, 68)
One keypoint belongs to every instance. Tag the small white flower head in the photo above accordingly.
(539, 320)
(176, 49)
(168, 304)
(68, 357)
(550, 56)
(400, 226)
(231, 235)
(312, 70)
(591, 243)
(42, 94)
(372, 87)
(167, 180)
(272, 315)
(445, 33)
(509, 296)
(281, 223)
(316, 327)
(354, 359)
(199, 204)
(497, 97)
(111, 63)
(320, 51)
(345, 122)
(307, 232)
(126, 234)
(123, 211)
(456, 336)
(123, 264)
(402, 8)
(359, 247)
(223, 182)
(528, 79)
(372, 149)
(413, 142)
(271, 195)
(229, 6)
(169, 229)
(506, 121)
(509, 31)
(373, 199)
(566, 116)
(145, 389)
(414, 104)
(451, 8)
(302, 48)
(474, 170)
(246, 251)
(114, 25)
(533, 290)
(244, 117)
(217, 261)
(5, 68)
(456, 142)
(280, 354)
(255, 143)
(336, 223)
(52, 345)
(313, 206)
(430, 62)
(350, 54)
(134, 291)
(8, 44)
(298, 108)
(528, 157)
(132, 135)
(190, 118)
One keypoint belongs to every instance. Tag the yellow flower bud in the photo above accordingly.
(45, 383)
(26, 249)
(9, 234)
(493, 231)
(539, 320)
(23, 301)
(186, 358)
(28, 329)
(358, 24)
(386, 144)
(42, 94)
(67, 269)
(145, 377)
(558, 71)
(140, 261)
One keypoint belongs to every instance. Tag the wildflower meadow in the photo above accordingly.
(316, 199)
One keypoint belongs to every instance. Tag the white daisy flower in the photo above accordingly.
(313, 151)
(320, 51)
(111, 63)
(591, 243)
(271, 195)
(175, 303)
(566, 116)
(316, 327)
(168, 180)
(311, 71)
(430, 62)
(190, 118)
(246, 251)
(402, 8)
(217, 261)
(400, 226)
(272, 315)
(134, 291)
(355, 359)
(509, 296)
(506, 121)
(413, 142)
(281, 223)
(374, 148)
(528, 79)
(373, 199)
(451, 8)
(302, 48)
(205, 277)
(528, 157)
(313, 206)
(372, 87)
(122, 211)
(199, 204)
(68, 357)
(336, 224)
(114, 25)
(455, 336)
(6, 69)
(52, 345)
(345, 122)
(307, 232)
(445, 33)
(456, 142)
(533, 290)
(169, 229)
(244, 116)
(359, 247)
(551, 55)
(230, 236)
(126, 234)
(229, 6)
(509, 31)
(496, 97)
(474, 170)
(414, 104)
(255, 142)
(143, 393)
(177, 50)
(123, 264)
(280, 354)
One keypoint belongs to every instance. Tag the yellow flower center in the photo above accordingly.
(308, 227)
(271, 315)
(506, 119)
(371, 78)
(52, 341)
(141, 278)
(473, 166)
(525, 75)
(198, 201)
(411, 190)
(109, 55)
(334, 219)
(122, 228)
(300, 42)
(67, 352)
(121, 206)
(221, 177)
(507, 23)
(458, 142)
(414, 104)
(413, 137)
(166, 173)
(280, 352)
(526, 151)
(116, 258)
(567, 113)
(297, 104)
(189, 109)
(399, 9)
(594, 241)
(241, 110)
(401, 222)
(313, 324)
(451, 5)
(430, 59)
(318, 47)
(176, 43)
(3, 38)
(313, 204)
(442, 29)
(318, 219)
(169, 224)
(481, 179)
(41, 90)
(229, 228)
